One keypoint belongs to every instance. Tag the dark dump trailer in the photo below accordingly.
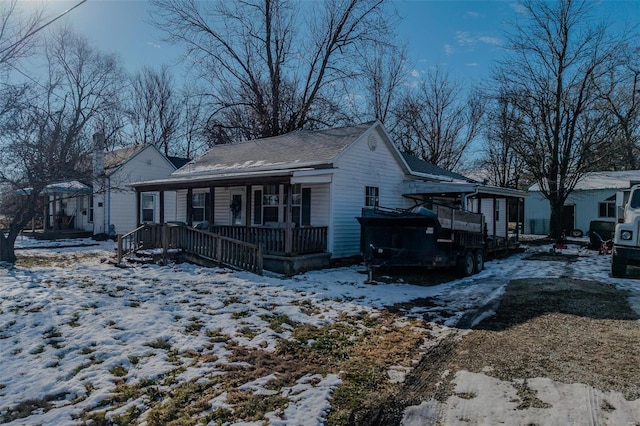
(439, 237)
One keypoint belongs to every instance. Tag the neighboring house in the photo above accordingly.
(594, 198)
(106, 204)
(288, 190)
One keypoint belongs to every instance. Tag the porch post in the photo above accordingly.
(288, 232)
(54, 215)
(161, 207)
(190, 206)
(45, 213)
(212, 205)
(247, 214)
(138, 204)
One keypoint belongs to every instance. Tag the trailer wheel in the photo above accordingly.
(478, 257)
(618, 266)
(466, 264)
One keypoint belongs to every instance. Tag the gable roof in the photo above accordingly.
(301, 148)
(603, 180)
(418, 165)
(116, 158)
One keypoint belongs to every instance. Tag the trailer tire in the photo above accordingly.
(466, 264)
(478, 261)
(618, 266)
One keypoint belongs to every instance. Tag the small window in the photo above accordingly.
(607, 209)
(271, 203)
(372, 196)
(200, 206)
(91, 209)
(147, 204)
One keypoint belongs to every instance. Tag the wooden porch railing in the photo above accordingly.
(207, 245)
(303, 240)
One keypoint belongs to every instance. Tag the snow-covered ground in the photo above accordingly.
(66, 327)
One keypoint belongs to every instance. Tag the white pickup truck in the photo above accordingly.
(626, 240)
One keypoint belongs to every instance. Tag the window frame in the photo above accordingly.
(143, 199)
(372, 196)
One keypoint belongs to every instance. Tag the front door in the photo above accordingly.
(237, 208)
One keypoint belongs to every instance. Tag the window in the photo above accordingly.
(200, 206)
(271, 203)
(607, 209)
(91, 209)
(147, 204)
(296, 203)
(372, 196)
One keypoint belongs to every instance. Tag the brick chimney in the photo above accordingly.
(98, 154)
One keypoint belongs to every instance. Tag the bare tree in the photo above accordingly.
(272, 66)
(17, 33)
(383, 75)
(437, 121)
(45, 138)
(621, 95)
(557, 55)
(154, 113)
(500, 162)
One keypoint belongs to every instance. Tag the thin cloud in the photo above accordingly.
(415, 73)
(464, 38)
(472, 14)
(449, 49)
(154, 45)
(518, 8)
(490, 40)
(471, 64)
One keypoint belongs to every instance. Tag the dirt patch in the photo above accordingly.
(571, 331)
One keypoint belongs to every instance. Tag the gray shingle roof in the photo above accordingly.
(301, 148)
(421, 166)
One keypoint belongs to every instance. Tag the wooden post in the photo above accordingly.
(212, 205)
(119, 249)
(138, 205)
(190, 206)
(161, 202)
(165, 242)
(288, 231)
(54, 215)
(247, 214)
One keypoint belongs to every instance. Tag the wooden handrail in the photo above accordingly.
(226, 251)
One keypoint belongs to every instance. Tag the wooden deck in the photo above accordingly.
(198, 244)
(234, 246)
(306, 240)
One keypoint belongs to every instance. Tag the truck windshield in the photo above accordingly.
(634, 202)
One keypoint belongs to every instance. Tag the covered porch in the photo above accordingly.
(271, 210)
(502, 208)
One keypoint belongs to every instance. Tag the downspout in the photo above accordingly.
(108, 207)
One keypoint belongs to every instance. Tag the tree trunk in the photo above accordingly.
(7, 247)
(555, 221)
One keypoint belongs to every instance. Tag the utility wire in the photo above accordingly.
(41, 27)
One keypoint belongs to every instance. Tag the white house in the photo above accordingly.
(594, 198)
(311, 186)
(106, 204)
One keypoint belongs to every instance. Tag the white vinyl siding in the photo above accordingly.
(119, 206)
(359, 167)
(537, 211)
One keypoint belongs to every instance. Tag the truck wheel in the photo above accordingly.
(618, 266)
(478, 264)
(466, 264)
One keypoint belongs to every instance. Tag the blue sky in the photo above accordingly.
(464, 36)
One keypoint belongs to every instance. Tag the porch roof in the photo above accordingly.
(239, 178)
(68, 187)
(415, 187)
